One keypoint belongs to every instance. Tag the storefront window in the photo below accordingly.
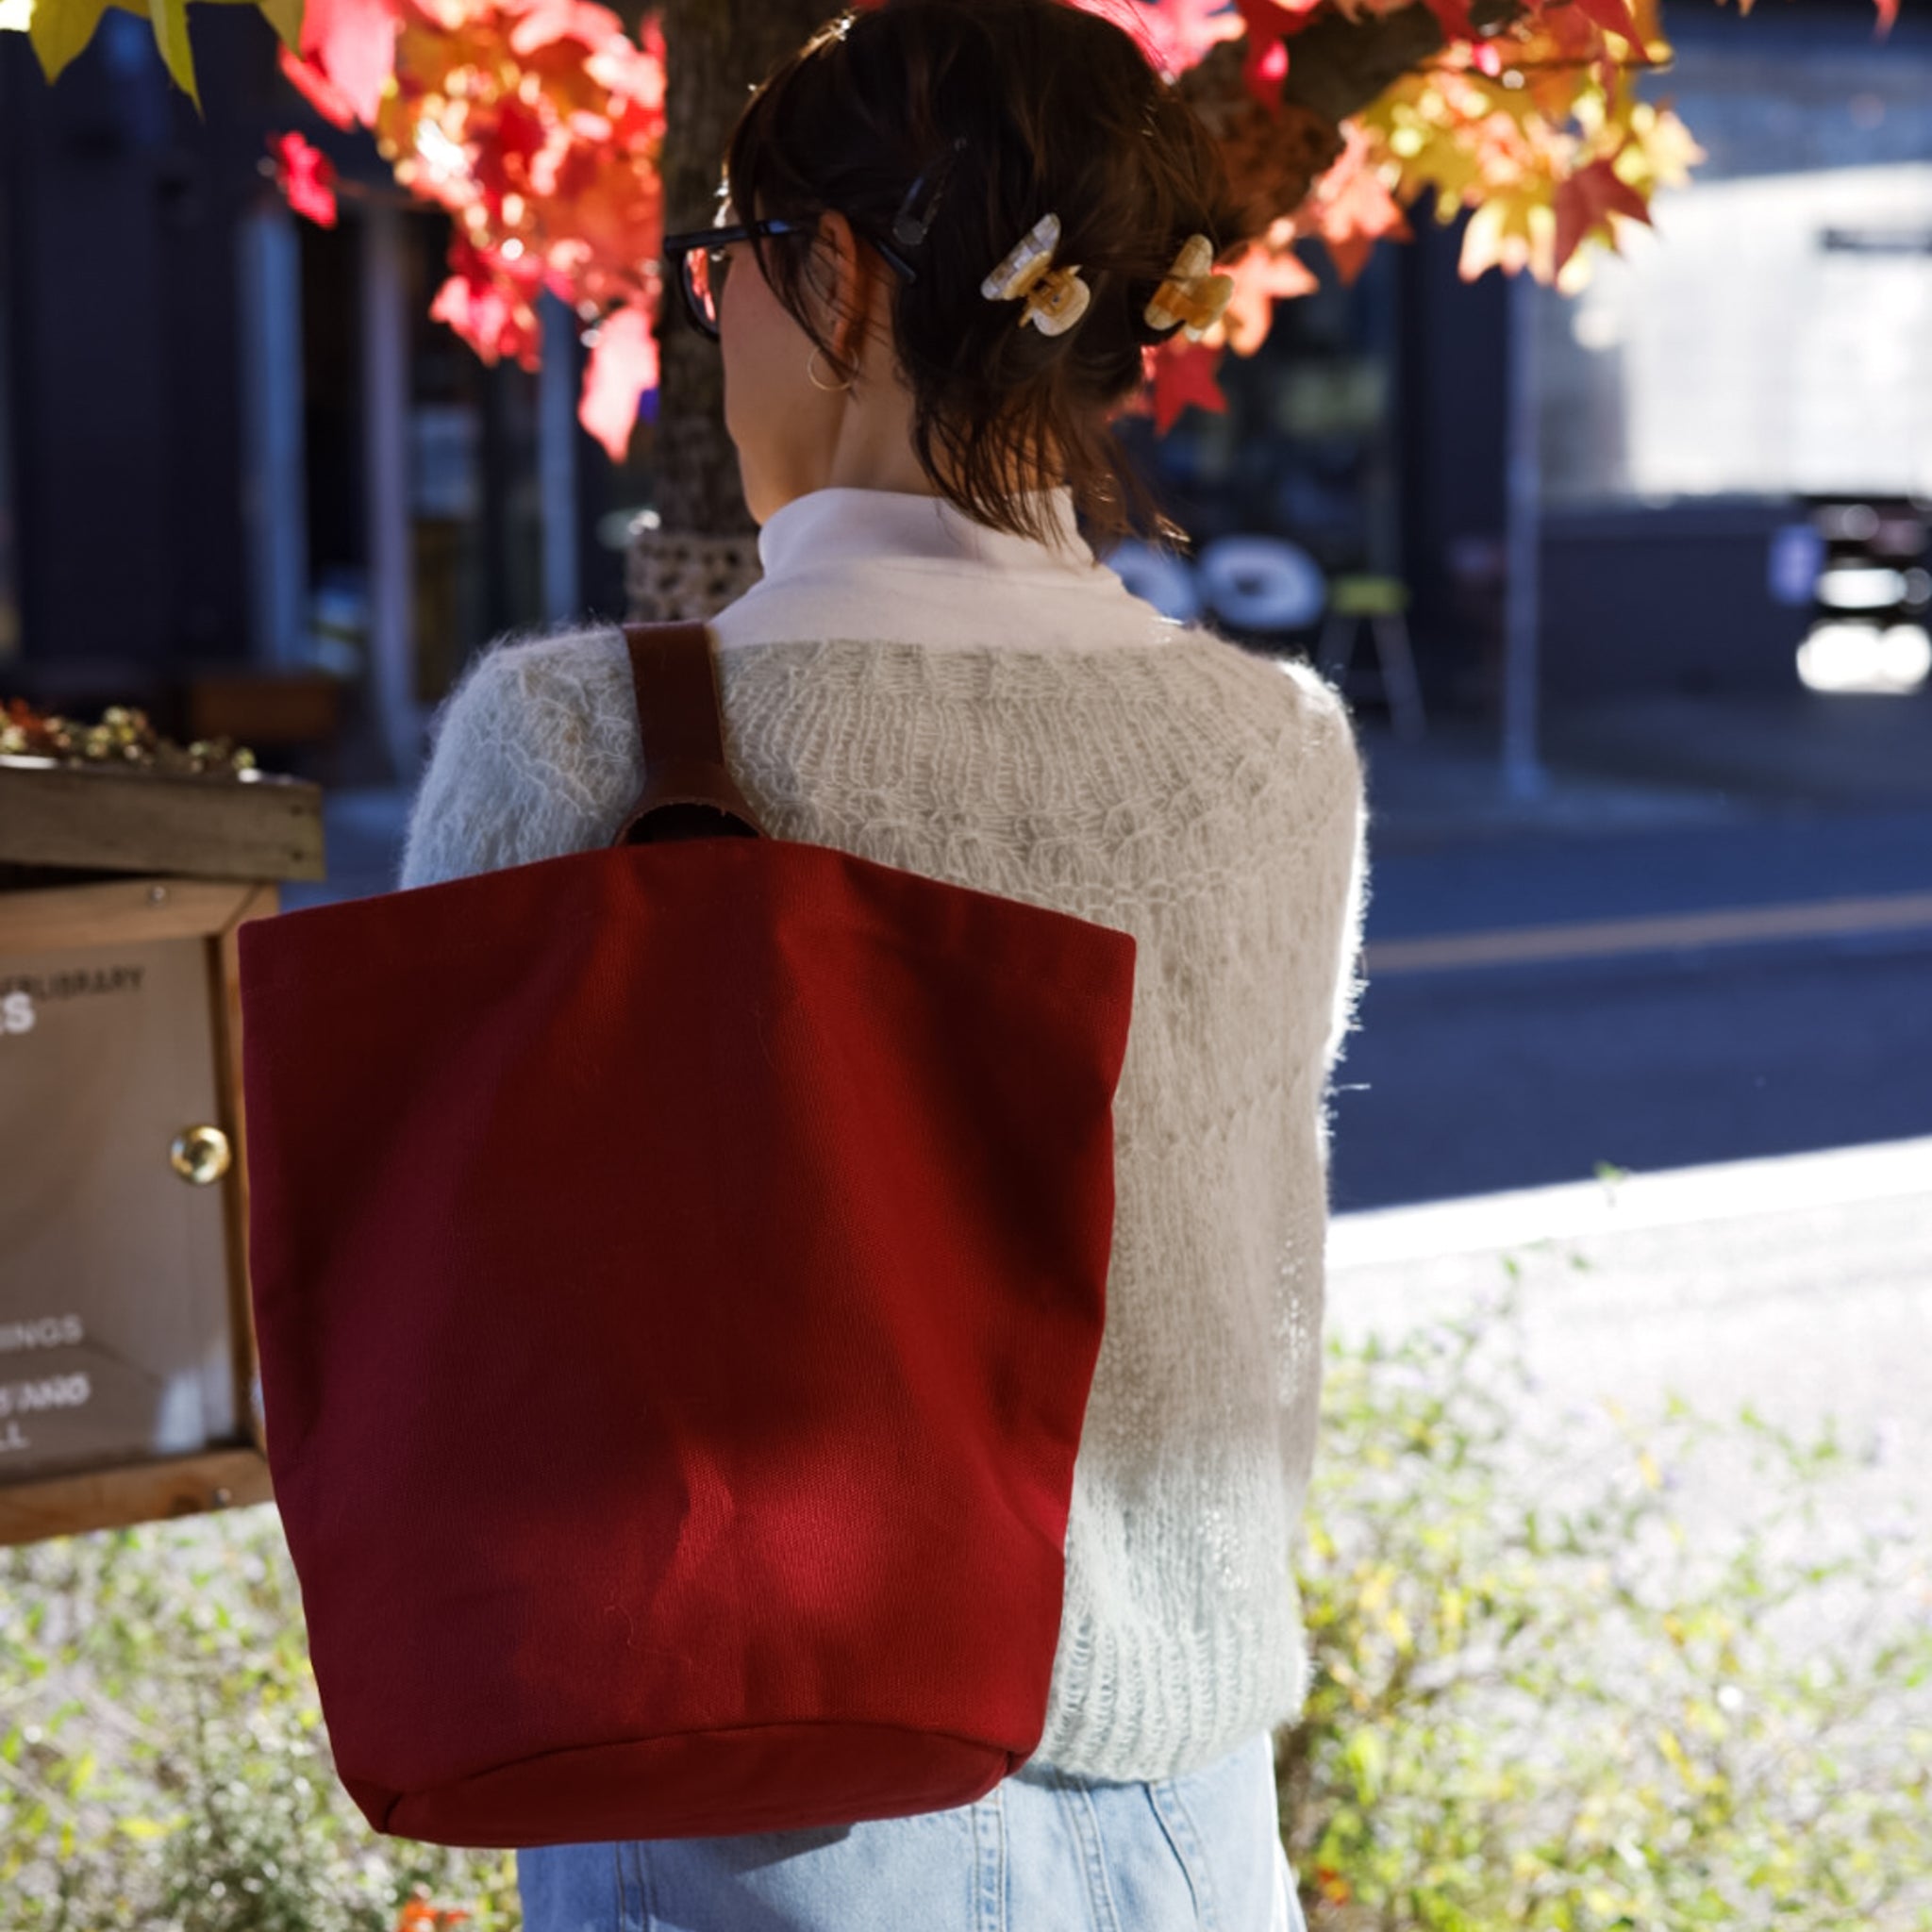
(467, 449)
(1304, 449)
(1767, 338)
(474, 510)
(1301, 467)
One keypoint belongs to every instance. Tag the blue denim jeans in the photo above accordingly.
(1044, 1850)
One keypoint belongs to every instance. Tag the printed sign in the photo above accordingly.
(114, 1328)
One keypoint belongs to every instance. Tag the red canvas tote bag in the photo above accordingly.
(679, 1269)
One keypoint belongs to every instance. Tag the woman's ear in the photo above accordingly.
(844, 282)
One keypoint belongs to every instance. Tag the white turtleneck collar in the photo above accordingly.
(846, 562)
(826, 527)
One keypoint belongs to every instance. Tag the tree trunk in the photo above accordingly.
(703, 552)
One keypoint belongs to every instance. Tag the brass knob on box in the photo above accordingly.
(199, 1155)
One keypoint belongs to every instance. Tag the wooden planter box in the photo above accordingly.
(258, 707)
(128, 1384)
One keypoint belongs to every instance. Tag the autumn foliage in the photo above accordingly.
(538, 124)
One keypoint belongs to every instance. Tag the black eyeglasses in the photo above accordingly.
(700, 259)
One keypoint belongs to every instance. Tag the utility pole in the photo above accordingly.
(1523, 776)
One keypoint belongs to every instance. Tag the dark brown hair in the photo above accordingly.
(1035, 105)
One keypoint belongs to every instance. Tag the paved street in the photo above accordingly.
(1660, 1037)
(1466, 1078)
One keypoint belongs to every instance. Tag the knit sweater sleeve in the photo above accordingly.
(513, 765)
(1345, 871)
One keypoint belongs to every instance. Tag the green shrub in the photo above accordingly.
(163, 1763)
(1539, 1701)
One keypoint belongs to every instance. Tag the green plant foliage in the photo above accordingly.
(1537, 1702)
(163, 1762)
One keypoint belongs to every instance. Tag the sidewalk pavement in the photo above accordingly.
(1449, 789)
(1797, 1285)
(1635, 764)
(1639, 763)
(1795, 747)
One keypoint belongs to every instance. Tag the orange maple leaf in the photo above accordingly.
(1267, 271)
(1586, 199)
(1351, 209)
(419, 1915)
(1333, 1886)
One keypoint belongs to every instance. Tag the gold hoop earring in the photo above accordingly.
(829, 388)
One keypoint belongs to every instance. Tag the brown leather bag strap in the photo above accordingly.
(689, 794)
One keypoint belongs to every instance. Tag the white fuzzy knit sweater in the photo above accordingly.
(914, 688)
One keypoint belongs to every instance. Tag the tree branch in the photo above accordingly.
(1337, 67)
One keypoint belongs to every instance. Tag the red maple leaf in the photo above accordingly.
(1270, 24)
(1613, 15)
(1173, 34)
(307, 176)
(490, 303)
(1453, 15)
(353, 41)
(547, 21)
(503, 161)
(318, 90)
(1589, 197)
(1184, 374)
(623, 365)
(1270, 20)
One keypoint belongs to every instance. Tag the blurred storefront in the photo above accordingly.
(1364, 438)
(245, 481)
(1745, 395)
(1733, 418)
(1308, 453)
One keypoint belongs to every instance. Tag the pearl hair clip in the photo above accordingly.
(1191, 296)
(1056, 298)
